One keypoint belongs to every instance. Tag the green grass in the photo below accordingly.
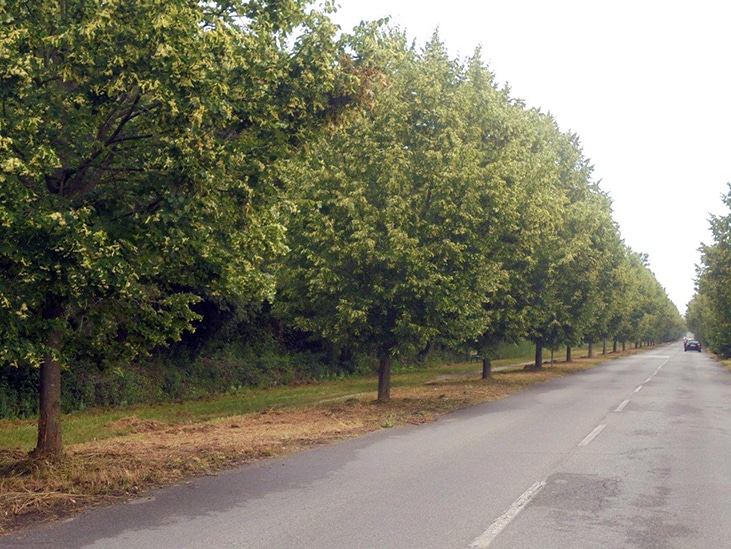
(93, 424)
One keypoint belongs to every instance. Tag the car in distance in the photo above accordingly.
(692, 345)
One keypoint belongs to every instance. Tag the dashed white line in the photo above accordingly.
(519, 504)
(621, 406)
(591, 436)
(506, 518)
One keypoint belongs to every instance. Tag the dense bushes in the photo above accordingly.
(163, 377)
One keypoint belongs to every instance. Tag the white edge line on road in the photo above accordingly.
(639, 388)
(621, 406)
(648, 380)
(591, 436)
(506, 518)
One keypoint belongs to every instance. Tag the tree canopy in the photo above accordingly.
(444, 212)
(385, 197)
(135, 141)
(709, 312)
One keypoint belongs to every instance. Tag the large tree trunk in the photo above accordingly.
(568, 353)
(539, 354)
(486, 368)
(49, 444)
(591, 349)
(384, 379)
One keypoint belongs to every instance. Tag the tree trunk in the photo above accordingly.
(539, 355)
(614, 346)
(486, 368)
(384, 379)
(568, 353)
(591, 349)
(49, 444)
(604, 345)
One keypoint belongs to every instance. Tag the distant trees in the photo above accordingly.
(386, 199)
(709, 312)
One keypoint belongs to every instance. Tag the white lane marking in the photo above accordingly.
(621, 406)
(591, 436)
(506, 518)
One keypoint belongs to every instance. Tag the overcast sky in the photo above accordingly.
(645, 84)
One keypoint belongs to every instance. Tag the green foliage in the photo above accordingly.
(168, 165)
(134, 145)
(395, 216)
(18, 392)
(709, 313)
(135, 142)
(168, 375)
(446, 213)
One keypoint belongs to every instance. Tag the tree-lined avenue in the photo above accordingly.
(629, 454)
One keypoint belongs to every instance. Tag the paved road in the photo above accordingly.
(633, 454)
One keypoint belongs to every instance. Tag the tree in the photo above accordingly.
(394, 215)
(699, 317)
(607, 296)
(652, 316)
(493, 131)
(551, 180)
(589, 269)
(135, 138)
(710, 309)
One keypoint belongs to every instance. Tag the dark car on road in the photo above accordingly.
(692, 345)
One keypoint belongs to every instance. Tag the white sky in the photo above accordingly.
(646, 85)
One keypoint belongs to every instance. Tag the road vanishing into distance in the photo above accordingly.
(635, 453)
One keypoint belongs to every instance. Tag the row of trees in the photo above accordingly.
(443, 211)
(709, 312)
(386, 199)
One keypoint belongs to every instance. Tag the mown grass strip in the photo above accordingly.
(120, 453)
(92, 424)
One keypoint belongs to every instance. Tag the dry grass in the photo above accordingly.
(156, 454)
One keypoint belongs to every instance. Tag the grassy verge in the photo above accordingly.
(116, 454)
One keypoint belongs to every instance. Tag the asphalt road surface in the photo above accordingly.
(633, 454)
